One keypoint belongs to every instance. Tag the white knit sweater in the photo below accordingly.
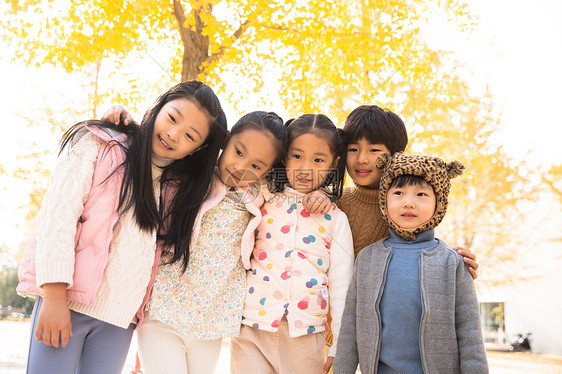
(131, 252)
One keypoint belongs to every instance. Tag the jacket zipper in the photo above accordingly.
(377, 311)
(423, 316)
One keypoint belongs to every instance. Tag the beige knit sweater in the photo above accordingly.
(131, 253)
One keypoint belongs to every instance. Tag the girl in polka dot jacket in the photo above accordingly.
(302, 262)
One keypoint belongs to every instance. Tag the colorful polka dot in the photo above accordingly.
(269, 266)
(268, 236)
(276, 323)
(285, 229)
(303, 304)
(262, 256)
(309, 239)
(310, 329)
(319, 262)
(321, 229)
(298, 324)
(278, 295)
(256, 325)
(304, 213)
(285, 275)
(279, 246)
(328, 217)
(263, 212)
(288, 253)
(261, 313)
(251, 290)
(269, 220)
(266, 278)
(262, 300)
(301, 255)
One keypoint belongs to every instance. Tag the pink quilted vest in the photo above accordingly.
(94, 231)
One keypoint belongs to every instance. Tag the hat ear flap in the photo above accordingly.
(454, 168)
(382, 161)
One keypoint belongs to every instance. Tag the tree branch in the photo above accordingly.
(222, 50)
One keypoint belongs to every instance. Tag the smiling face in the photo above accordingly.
(361, 160)
(180, 128)
(410, 206)
(247, 157)
(309, 160)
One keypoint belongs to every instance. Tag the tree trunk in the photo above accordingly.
(195, 44)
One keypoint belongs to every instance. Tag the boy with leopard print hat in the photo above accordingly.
(411, 306)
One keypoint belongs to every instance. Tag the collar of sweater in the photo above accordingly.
(364, 194)
(160, 161)
(423, 240)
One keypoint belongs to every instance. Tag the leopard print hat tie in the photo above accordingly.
(432, 169)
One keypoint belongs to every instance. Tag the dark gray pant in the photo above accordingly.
(95, 347)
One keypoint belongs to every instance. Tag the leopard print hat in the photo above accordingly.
(432, 169)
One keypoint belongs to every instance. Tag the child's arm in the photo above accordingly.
(53, 323)
(62, 207)
(470, 259)
(467, 323)
(339, 275)
(116, 113)
(347, 356)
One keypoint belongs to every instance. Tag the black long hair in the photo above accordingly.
(323, 127)
(190, 177)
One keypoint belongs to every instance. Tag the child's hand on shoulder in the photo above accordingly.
(317, 202)
(116, 113)
(470, 259)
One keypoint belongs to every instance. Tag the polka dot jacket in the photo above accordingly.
(301, 266)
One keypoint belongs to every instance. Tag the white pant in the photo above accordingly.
(164, 350)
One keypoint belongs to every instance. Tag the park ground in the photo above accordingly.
(14, 338)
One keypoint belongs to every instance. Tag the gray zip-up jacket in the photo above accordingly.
(450, 333)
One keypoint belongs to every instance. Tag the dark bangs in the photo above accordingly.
(408, 180)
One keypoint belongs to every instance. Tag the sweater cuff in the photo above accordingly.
(54, 271)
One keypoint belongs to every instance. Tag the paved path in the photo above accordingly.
(14, 339)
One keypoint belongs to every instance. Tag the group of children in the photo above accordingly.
(142, 228)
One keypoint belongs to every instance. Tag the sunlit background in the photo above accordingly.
(479, 83)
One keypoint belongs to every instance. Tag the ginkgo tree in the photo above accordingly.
(327, 54)
(306, 56)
